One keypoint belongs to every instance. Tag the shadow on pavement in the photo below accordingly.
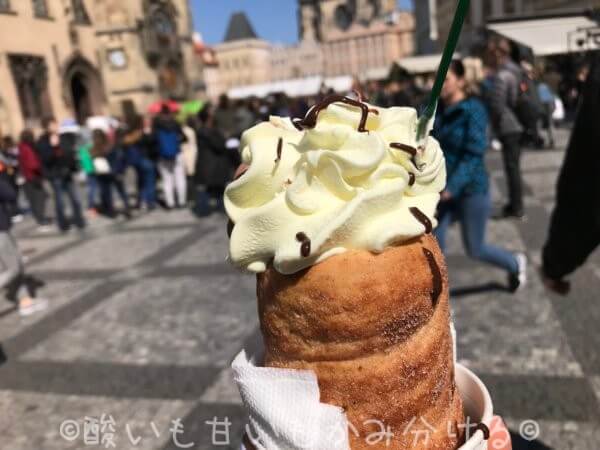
(518, 443)
(474, 290)
(8, 311)
(2, 356)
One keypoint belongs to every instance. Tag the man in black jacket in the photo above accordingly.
(214, 164)
(12, 274)
(502, 101)
(59, 161)
(575, 227)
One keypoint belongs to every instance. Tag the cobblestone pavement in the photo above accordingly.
(146, 316)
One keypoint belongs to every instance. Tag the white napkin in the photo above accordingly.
(285, 412)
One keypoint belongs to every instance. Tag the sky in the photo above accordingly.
(273, 20)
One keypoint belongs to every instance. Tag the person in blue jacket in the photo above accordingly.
(461, 128)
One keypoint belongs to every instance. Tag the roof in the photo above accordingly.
(549, 36)
(239, 28)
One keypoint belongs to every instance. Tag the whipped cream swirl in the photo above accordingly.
(317, 190)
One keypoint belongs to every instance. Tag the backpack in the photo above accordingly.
(529, 109)
(168, 144)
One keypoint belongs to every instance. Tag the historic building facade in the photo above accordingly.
(337, 37)
(357, 36)
(76, 58)
(243, 58)
(434, 17)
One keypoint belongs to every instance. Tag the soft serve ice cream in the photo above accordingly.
(348, 176)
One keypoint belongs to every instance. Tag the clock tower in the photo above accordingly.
(357, 35)
(147, 51)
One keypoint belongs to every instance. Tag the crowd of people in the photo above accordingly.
(192, 159)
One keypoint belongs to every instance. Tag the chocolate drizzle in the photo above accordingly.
(305, 247)
(310, 121)
(411, 179)
(412, 151)
(422, 217)
(359, 95)
(296, 123)
(437, 279)
(279, 149)
(484, 429)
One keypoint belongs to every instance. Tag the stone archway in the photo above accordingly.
(82, 88)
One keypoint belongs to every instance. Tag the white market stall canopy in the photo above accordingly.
(377, 73)
(550, 36)
(299, 87)
(421, 64)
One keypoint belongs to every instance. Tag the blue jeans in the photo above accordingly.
(106, 183)
(472, 211)
(61, 186)
(92, 185)
(146, 176)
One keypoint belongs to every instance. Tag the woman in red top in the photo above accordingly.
(31, 169)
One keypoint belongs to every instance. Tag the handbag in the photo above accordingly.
(101, 166)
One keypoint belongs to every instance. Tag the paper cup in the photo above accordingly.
(477, 404)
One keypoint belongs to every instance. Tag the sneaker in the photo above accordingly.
(508, 213)
(517, 281)
(43, 229)
(32, 306)
(17, 218)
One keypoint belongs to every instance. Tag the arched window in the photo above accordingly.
(30, 74)
(40, 8)
(80, 15)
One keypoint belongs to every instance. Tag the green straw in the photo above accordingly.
(459, 19)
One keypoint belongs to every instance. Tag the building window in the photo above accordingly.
(30, 75)
(40, 8)
(80, 15)
(487, 9)
(4, 5)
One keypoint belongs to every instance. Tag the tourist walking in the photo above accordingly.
(461, 128)
(31, 170)
(501, 99)
(169, 136)
(9, 155)
(12, 273)
(139, 144)
(575, 225)
(214, 166)
(87, 167)
(189, 153)
(109, 166)
(548, 99)
(57, 153)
